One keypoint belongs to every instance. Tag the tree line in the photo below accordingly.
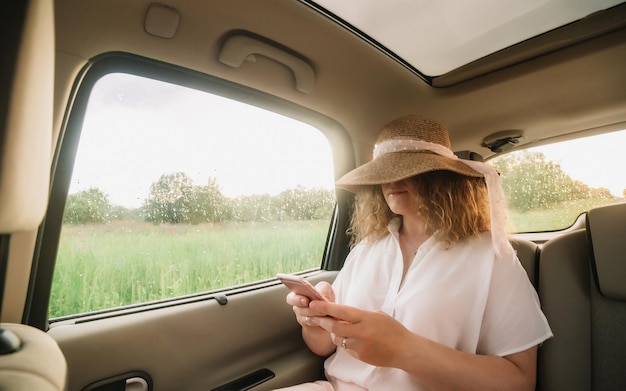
(529, 181)
(175, 199)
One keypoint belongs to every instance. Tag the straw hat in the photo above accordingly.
(406, 147)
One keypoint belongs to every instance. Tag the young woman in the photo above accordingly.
(432, 295)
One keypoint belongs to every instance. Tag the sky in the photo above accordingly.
(137, 130)
(597, 163)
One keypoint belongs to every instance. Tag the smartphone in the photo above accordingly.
(300, 286)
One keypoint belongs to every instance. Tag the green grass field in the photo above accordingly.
(110, 265)
(552, 218)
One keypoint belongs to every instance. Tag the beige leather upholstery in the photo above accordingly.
(38, 365)
(607, 233)
(528, 254)
(588, 351)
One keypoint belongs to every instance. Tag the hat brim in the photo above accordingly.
(393, 167)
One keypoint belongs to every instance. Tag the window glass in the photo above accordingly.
(176, 191)
(548, 187)
(466, 30)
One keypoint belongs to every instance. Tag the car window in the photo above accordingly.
(548, 187)
(177, 191)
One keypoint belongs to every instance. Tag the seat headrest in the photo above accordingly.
(606, 229)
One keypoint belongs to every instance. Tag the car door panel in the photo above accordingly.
(198, 345)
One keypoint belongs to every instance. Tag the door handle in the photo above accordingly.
(130, 381)
(136, 384)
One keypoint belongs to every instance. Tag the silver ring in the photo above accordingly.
(343, 343)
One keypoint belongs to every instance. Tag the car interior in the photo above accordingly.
(502, 76)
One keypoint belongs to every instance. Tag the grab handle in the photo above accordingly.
(238, 48)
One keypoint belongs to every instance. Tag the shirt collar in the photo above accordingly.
(394, 229)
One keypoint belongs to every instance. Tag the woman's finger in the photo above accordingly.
(341, 342)
(326, 290)
(337, 311)
(305, 320)
(305, 316)
(297, 300)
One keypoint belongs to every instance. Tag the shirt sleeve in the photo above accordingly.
(513, 320)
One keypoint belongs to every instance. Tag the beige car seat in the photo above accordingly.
(582, 285)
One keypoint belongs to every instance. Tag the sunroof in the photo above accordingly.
(436, 37)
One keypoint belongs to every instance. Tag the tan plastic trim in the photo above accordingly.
(25, 155)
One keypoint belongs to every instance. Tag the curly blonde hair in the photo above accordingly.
(453, 206)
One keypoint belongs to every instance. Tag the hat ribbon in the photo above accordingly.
(497, 205)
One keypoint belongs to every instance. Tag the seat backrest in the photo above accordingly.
(582, 286)
(528, 255)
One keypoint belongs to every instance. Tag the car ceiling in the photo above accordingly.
(577, 88)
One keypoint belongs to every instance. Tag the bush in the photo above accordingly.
(173, 199)
(530, 181)
(303, 204)
(208, 205)
(89, 206)
(170, 199)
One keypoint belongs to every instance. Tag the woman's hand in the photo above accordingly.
(304, 315)
(380, 340)
(316, 338)
(372, 337)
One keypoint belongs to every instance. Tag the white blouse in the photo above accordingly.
(461, 296)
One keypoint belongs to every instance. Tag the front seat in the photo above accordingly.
(29, 358)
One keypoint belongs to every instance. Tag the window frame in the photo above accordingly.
(49, 233)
